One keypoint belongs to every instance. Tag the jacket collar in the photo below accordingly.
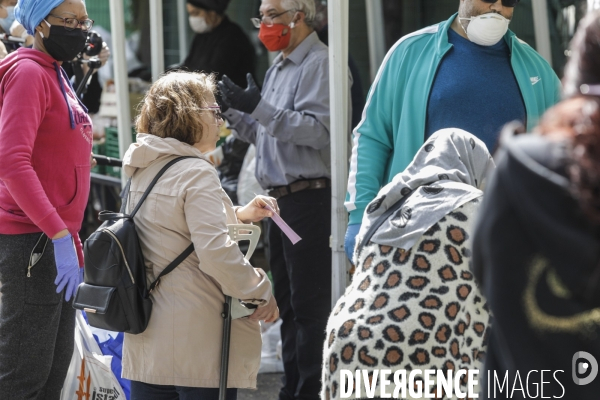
(443, 45)
(300, 52)
(149, 148)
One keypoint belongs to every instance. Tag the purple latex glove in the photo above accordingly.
(67, 266)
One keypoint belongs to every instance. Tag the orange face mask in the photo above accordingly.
(273, 38)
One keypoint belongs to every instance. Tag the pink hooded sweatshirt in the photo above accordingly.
(45, 146)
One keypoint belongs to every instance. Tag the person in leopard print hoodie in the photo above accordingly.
(413, 302)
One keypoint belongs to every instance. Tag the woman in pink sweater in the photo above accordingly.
(45, 146)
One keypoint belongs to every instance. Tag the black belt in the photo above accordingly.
(298, 186)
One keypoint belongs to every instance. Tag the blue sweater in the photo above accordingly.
(474, 89)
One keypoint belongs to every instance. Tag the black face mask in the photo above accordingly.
(64, 45)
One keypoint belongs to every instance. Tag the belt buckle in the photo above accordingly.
(320, 184)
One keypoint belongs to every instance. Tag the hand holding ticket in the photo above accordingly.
(285, 228)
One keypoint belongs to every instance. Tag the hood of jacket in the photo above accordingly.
(39, 57)
(150, 148)
(534, 170)
(50, 65)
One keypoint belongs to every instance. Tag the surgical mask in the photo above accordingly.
(199, 24)
(7, 22)
(64, 45)
(486, 29)
(273, 38)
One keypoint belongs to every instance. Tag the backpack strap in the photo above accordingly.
(124, 196)
(380, 221)
(190, 248)
(156, 178)
(107, 215)
(126, 190)
(110, 216)
(171, 266)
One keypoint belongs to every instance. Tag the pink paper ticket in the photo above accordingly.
(285, 228)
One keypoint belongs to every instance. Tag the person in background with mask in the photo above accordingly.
(7, 14)
(469, 72)
(7, 17)
(219, 46)
(289, 124)
(45, 148)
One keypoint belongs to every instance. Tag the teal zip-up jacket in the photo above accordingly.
(392, 128)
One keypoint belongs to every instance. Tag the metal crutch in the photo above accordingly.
(237, 232)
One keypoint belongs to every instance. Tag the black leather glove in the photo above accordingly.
(233, 96)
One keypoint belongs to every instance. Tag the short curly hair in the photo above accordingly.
(171, 107)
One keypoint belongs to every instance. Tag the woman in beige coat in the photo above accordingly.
(178, 356)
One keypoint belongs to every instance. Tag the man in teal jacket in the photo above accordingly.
(468, 72)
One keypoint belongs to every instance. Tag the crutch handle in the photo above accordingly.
(240, 232)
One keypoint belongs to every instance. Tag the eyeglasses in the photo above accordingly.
(72, 23)
(215, 109)
(505, 3)
(268, 21)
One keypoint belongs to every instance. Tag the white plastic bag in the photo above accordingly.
(89, 375)
(270, 361)
(248, 186)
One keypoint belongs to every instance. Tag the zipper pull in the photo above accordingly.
(29, 271)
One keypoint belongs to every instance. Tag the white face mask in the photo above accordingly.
(6, 23)
(486, 29)
(199, 24)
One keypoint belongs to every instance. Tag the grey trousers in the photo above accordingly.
(36, 324)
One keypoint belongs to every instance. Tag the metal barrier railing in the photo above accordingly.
(105, 194)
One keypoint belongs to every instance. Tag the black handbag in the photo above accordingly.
(114, 294)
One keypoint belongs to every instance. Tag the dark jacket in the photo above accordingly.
(536, 257)
(226, 50)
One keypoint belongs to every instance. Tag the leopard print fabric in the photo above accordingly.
(410, 309)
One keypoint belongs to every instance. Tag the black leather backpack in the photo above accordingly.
(114, 294)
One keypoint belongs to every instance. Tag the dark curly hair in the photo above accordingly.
(585, 167)
(583, 68)
(577, 118)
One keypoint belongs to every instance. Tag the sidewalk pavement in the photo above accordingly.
(268, 386)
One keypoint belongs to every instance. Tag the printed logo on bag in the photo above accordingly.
(97, 392)
(84, 384)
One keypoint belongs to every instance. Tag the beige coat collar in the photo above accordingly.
(148, 148)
